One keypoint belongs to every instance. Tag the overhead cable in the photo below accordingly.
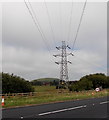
(50, 23)
(35, 20)
(79, 25)
(70, 21)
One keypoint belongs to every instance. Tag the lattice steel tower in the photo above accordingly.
(63, 62)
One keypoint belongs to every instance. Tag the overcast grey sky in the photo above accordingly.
(25, 53)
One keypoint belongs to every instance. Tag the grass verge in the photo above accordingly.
(52, 96)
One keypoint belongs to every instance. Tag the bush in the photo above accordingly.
(15, 84)
(91, 81)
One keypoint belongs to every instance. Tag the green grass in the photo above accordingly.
(45, 88)
(47, 94)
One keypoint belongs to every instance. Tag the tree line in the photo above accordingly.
(89, 82)
(15, 84)
(52, 82)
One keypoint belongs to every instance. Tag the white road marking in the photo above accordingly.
(62, 110)
(104, 102)
(21, 117)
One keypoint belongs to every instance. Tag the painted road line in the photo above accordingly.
(21, 117)
(62, 110)
(104, 102)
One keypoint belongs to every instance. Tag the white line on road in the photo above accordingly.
(104, 102)
(62, 110)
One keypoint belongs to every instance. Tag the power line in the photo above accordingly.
(79, 24)
(60, 8)
(37, 24)
(50, 23)
(69, 30)
(99, 66)
(44, 38)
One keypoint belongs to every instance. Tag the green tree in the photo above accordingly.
(85, 84)
(98, 80)
(91, 82)
(15, 84)
(36, 82)
(107, 82)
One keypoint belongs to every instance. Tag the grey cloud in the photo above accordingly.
(25, 54)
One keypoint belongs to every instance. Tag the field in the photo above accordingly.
(45, 88)
(48, 94)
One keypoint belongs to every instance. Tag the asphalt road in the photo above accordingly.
(88, 108)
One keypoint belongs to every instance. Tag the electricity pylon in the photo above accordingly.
(64, 68)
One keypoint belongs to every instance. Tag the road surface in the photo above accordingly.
(88, 108)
